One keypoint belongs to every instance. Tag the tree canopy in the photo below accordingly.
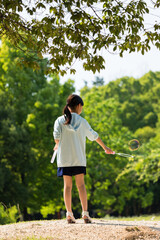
(70, 30)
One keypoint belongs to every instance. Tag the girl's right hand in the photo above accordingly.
(55, 147)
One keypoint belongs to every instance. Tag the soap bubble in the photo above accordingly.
(133, 144)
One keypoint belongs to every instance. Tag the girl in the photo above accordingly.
(70, 132)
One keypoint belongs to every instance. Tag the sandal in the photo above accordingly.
(70, 217)
(86, 217)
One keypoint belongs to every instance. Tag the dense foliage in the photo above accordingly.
(69, 30)
(29, 104)
(122, 110)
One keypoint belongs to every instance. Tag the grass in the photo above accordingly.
(153, 217)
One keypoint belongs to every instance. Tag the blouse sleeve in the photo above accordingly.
(57, 130)
(90, 133)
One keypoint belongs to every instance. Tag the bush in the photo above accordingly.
(8, 215)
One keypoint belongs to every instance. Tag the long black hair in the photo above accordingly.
(72, 102)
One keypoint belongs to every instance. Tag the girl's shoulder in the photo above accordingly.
(60, 119)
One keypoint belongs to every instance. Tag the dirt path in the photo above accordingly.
(98, 230)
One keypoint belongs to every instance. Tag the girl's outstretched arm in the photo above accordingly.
(101, 143)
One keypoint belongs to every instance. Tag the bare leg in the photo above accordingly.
(68, 192)
(82, 191)
(83, 197)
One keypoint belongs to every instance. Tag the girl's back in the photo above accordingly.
(72, 139)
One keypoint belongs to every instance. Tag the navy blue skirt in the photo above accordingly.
(70, 171)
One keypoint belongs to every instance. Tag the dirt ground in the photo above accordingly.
(98, 230)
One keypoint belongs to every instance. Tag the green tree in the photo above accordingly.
(98, 81)
(48, 106)
(140, 110)
(103, 115)
(29, 105)
(145, 133)
(124, 109)
(89, 26)
(18, 87)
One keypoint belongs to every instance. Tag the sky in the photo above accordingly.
(133, 64)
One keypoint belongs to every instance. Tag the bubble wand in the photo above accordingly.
(121, 154)
(133, 145)
(54, 156)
